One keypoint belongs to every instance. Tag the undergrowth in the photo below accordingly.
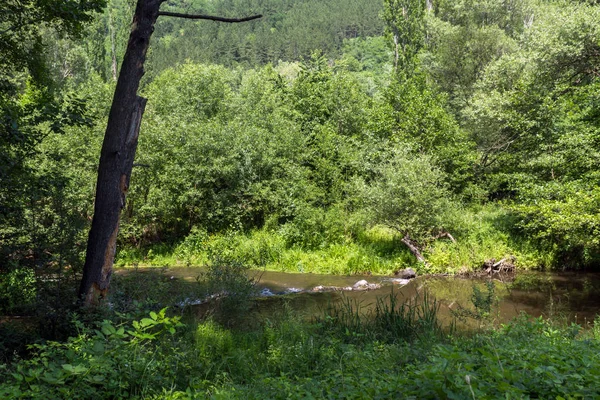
(481, 235)
(399, 351)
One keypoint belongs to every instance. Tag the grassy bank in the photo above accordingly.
(396, 352)
(481, 234)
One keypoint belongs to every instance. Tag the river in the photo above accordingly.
(573, 297)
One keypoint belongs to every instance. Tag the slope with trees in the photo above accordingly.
(500, 104)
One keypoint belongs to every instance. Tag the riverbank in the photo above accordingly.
(400, 352)
(376, 250)
(433, 338)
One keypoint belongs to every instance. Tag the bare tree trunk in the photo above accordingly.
(429, 5)
(116, 158)
(396, 53)
(118, 150)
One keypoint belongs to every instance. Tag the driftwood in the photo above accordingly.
(413, 249)
(446, 235)
(416, 251)
(505, 265)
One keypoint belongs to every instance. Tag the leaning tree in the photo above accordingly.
(118, 150)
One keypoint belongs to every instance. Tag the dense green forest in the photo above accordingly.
(482, 122)
(330, 136)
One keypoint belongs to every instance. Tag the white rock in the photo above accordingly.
(360, 284)
(400, 281)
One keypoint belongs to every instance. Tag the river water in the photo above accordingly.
(574, 297)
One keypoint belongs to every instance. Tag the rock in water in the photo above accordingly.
(407, 273)
(400, 281)
(364, 285)
(360, 283)
(266, 292)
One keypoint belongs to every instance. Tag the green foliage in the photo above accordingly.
(234, 164)
(313, 228)
(564, 219)
(409, 196)
(112, 360)
(534, 101)
(399, 350)
(368, 54)
(405, 24)
(23, 24)
(17, 290)
(373, 251)
(35, 229)
(222, 168)
(464, 37)
(288, 31)
(347, 247)
(483, 233)
(422, 122)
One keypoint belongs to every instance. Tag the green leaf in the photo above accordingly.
(108, 329)
(144, 322)
(98, 348)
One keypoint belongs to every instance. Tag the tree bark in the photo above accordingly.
(118, 151)
(116, 158)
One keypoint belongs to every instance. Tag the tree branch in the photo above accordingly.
(414, 249)
(444, 234)
(209, 17)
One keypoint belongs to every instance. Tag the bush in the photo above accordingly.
(17, 290)
(108, 362)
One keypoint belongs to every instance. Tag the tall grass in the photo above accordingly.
(481, 234)
(390, 321)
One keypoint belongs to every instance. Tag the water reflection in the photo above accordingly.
(574, 297)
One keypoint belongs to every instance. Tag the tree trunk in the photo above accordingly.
(396, 52)
(413, 249)
(118, 150)
(116, 158)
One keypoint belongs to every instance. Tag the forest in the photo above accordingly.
(349, 138)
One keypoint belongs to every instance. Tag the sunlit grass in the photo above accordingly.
(481, 234)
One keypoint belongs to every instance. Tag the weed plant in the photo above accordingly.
(390, 321)
(483, 302)
(481, 234)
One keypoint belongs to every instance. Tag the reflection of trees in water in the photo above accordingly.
(572, 297)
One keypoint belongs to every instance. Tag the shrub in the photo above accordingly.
(17, 290)
(109, 362)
